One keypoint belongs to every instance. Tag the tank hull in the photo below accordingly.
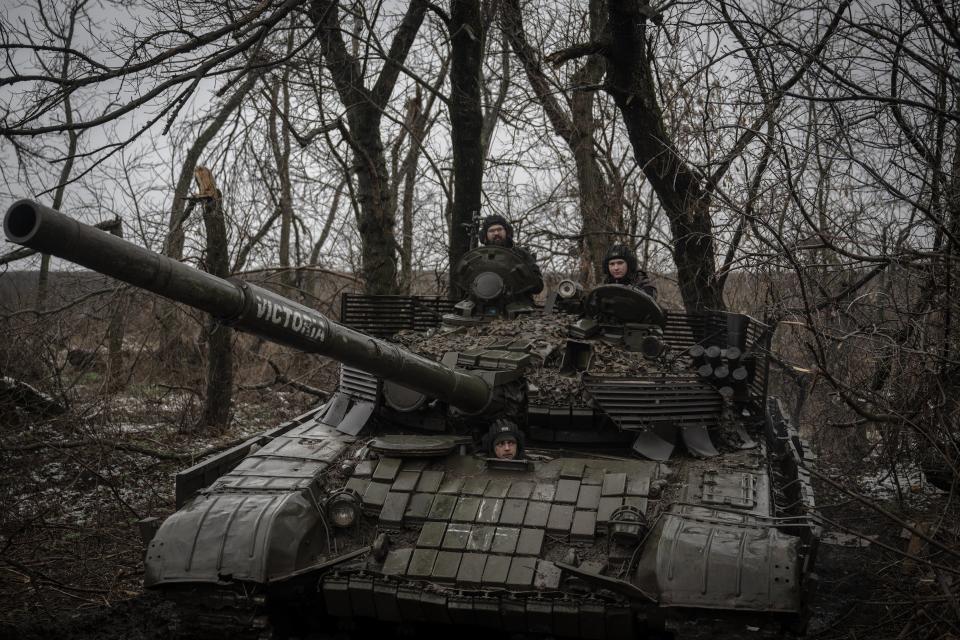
(517, 549)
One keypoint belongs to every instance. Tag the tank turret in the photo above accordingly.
(498, 283)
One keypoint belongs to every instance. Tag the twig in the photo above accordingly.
(39, 576)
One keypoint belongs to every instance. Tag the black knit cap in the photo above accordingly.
(503, 429)
(491, 220)
(620, 252)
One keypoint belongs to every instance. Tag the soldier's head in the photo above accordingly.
(506, 440)
(619, 263)
(496, 231)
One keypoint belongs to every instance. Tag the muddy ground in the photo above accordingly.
(72, 489)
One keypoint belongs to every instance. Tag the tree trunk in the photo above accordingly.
(600, 222)
(364, 108)
(279, 134)
(216, 412)
(377, 224)
(173, 246)
(171, 318)
(630, 81)
(415, 121)
(115, 331)
(466, 127)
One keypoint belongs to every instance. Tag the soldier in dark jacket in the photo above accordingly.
(620, 265)
(498, 232)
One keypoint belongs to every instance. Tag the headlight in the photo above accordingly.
(343, 508)
(569, 289)
(627, 525)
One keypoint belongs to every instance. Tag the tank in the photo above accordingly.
(660, 491)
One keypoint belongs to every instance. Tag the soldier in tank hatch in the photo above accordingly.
(504, 440)
(496, 231)
(620, 266)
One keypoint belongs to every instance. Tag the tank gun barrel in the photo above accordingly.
(241, 305)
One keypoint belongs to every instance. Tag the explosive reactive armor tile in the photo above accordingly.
(385, 601)
(480, 539)
(431, 535)
(430, 481)
(505, 540)
(406, 481)
(471, 569)
(442, 507)
(361, 595)
(547, 576)
(638, 485)
(375, 494)
(530, 542)
(421, 563)
(446, 566)
(456, 537)
(539, 616)
(489, 511)
(521, 490)
(561, 517)
(566, 612)
(397, 561)
(357, 484)
(521, 572)
(614, 484)
(450, 485)
(592, 476)
(584, 526)
(572, 469)
(537, 514)
(496, 570)
(607, 506)
(474, 486)
(497, 488)
(544, 492)
(567, 491)
(466, 509)
(364, 469)
(589, 497)
(513, 511)
(387, 469)
(418, 507)
(636, 501)
(394, 507)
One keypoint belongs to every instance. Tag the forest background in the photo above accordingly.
(799, 161)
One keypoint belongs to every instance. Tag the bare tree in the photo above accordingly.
(601, 222)
(364, 110)
(219, 337)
